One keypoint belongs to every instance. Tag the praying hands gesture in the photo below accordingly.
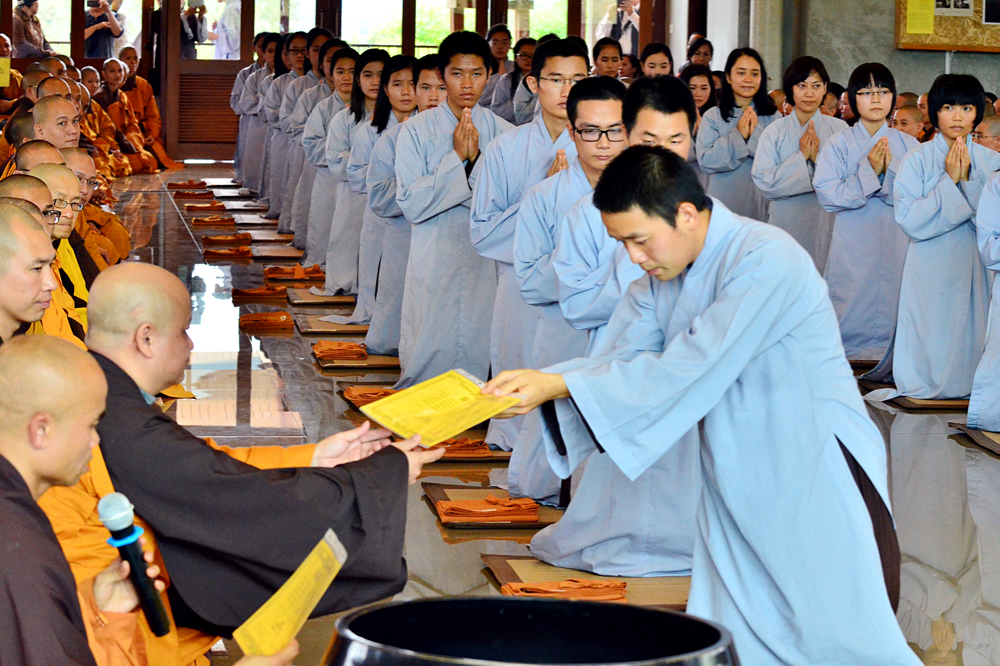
(809, 143)
(747, 123)
(957, 163)
(534, 387)
(560, 163)
(466, 138)
(879, 156)
(350, 446)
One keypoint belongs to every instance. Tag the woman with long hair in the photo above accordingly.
(699, 81)
(502, 103)
(728, 134)
(656, 60)
(291, 66)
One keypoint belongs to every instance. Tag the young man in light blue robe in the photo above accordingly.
(984, 403)
(323, 200)
(450, 289)
(730, 342)
(594, 114)
(786, 159)
(234, 104)
(854, 176)
(512, 164)
(383, 332)
(944, 296)
(730, 132)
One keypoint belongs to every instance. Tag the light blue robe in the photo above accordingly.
(236, 106)
(865, 266)
(291, 127)
(514, 162)
(984, 403)
(279, 145)
(592, 268)
(502, 103)
(487, 98)
(323, 201)
(784, 176)
(728, 157)
(526, 105)
(345, 228)
(383, 332)
(303, 190)
(540, 215)
(944, 296)
(256, 129)
(450, 289)
(741, 356)
(264, 196)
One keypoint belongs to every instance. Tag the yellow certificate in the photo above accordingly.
(920, 17)
(439, 408)
(4, 72)
(281, 617)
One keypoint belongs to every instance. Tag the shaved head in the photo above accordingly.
(73, 73)
(54, 66)
(131, 294)
(21, 186)
(21, 130)
(14, 223)
(34, 153)
(38, 373)
(57, 120)
(53, 86)
(83, 166)
(28, 207)
(30, 83)
(26, 277)
(65, 187)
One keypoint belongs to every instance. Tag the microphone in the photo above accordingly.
(116, 512)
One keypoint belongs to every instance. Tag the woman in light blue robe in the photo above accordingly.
(723, 151)
(264, 174)
(303, 188)
(291, 125)
(501, 100)
(784, 173)
(984, 403)
(348, 218)
(250, 101)
(292, 69)
(865, 266)
(945, 291)
(234, 104)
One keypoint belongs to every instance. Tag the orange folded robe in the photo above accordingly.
(214, 205)
(359, 396)
(573, 588)
(296, 272)
(230, 239)
(193, 194)
(214, 221)
(329, 350)
(259, 293)
(241, 252)
(489, 510)
(189, 184)
(267, 322)
(466, 448)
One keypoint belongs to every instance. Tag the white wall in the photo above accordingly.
(723, 29)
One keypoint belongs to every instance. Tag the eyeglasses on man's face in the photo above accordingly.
(62, 203)
(594, 134)
(559, 82)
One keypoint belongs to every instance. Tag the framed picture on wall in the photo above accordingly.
(953, 8)
(991, 12)
(961, 25)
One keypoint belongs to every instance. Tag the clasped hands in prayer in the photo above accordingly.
(809, 143)
(466, 138)
(747, 123)
(880, 157)
(533, 386)
(361, 442)
(957, 162)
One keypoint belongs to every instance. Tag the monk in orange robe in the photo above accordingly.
(147, 113)
(128, 134)
(27, 280)
(93, 220)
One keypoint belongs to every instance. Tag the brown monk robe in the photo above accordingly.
(10, 94)
(128, 135)
(99, 128)
(93, 220)
(147, 113)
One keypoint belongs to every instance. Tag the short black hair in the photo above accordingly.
(799, 71)
(870, 74)
(991, 98)
(259, 36)
(603, 43)
(956, 90)
(496, 29)
(657, 47)
(338, 53)
(697, 44)
(317, 32)
(594, 89)
(357, 105)
(268, 39)
(284, 45)
(762, 102)
(652, 178)
(664, 94)
(579, 41)
(554, 48)
(836, 89)
(463, 42)
(428, 62)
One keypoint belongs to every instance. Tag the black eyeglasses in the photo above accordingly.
(62, 203)
(593, 134)
(53, 216)
(297, 51)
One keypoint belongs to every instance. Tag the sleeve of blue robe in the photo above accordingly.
(927, 204)
(238, 85)
(775, 177)
(669, 392)
(490, 228)
(288, 100)
(382, 179)
(300, 114)
(338, 143)
(314, 137)
(249, 97)
(524, 105)
(272, 104)
(362, 142)
(721, 149)
(533, 247)
(988, 225)
(842, 186)
(422, 191)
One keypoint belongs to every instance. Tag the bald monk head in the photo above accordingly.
(54, 66)
(90, 79)
(66, 60)
(21, 187)
(30, 84)
(138, 316)
(53, 87)
(130, 57)
(906, 99)
(34, 67)
(57, 121)
(76, 92)
(21, 130)
(26, 277)
(6, 48)
(114, 73)
(36, 152)
(52, 394)
(73, 74)
(67, 195)
(82, 165)
(987, 133)
(908, 120)
(28, 207)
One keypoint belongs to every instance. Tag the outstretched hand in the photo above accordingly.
(417, 456)
(350, 446)
(533, 386)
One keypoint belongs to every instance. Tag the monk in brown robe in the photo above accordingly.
(147, 113)
(93, 220)
(128, 134)
(9, 95)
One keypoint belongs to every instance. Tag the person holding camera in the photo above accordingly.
(194, 29)
(101, 30)
(622, 23)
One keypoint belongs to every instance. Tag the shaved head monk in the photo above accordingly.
(54, 66)
(73, 74)
(57, 121)
(34, 190)
(36, 152)
(21, 130)
(107, 226)
(66, 193)
(220, 560)
(6, 49)
(91, 79)
(53, 86)
(26, 276)
(30, 84)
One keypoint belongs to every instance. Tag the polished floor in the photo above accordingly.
(254, 391)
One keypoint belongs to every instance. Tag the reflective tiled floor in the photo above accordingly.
(254, 391)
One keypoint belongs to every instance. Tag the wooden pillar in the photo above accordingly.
(409, 27)
(77, 24)
(482, 17)
(170, 14)
(660, 10)
(457, 19)
(498, 12)
(646, 12)
(328, 15)
(7, 19)
(574, 18)
(247, 54)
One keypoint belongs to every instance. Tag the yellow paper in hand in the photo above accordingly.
(281, 617)
(438, 408)
(4, 72)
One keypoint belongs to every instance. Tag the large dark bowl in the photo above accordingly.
(492, 631)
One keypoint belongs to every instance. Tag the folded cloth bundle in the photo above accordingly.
(229, 239)
(259, 292)
(464, 447)
(267, 322)
(489, 510)
(329, 350)
(214, 205)
(296, 272)
(193, 194)
(359, 396)
(213, 221)
(190, 184)
(241, 252)
(574, 588)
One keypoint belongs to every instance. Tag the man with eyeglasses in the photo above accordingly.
(512, 164)
(96, 225)
(987, 133)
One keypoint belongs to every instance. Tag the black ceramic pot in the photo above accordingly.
(503, 630)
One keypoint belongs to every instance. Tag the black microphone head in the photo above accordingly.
(116, 512)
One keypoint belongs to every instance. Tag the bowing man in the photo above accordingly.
(594, 119)
(730, 342)
(854, 176)
(383, 333)
(730, 132)
(944, 296)
(786, 159)
(450, 289)
(512, 164)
